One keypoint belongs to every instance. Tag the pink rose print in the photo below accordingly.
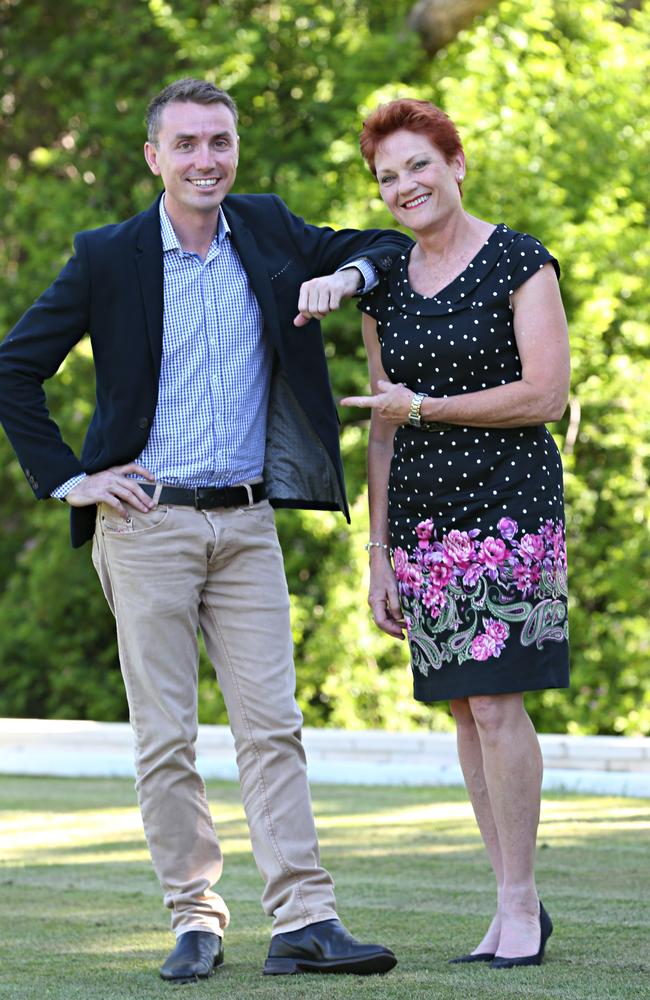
(473, 575)
(412, 580)
(483, 647)
(424, 531)
(458, 549)
(462, 575)
(434, 600)
(439, 575)
(400, 562)
(507, 527)
(559, 548)
(548, 531)
(532, 547)
(499, 631)
(431, 556)
(526, 576)
(493, 552)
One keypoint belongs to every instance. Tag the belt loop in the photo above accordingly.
(196, 498)
(249, 492)
(157, 492)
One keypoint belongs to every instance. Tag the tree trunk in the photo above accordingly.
(439, 21)
(626, 8)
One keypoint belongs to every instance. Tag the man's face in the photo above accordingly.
(196, 155)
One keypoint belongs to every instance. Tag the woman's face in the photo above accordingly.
(417, 184)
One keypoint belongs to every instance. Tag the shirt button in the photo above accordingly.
(143, 422)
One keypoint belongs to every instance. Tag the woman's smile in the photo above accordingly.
(416, 202)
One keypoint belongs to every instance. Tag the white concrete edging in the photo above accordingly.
(602, 765)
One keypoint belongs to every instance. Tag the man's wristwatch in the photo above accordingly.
(415, 417)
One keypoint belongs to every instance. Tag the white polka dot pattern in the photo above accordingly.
(505, 628)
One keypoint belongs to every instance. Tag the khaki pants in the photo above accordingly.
(165, 575)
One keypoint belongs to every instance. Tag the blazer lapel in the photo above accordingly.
(256, 269)
(149, 265)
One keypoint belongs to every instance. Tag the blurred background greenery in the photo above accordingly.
(552, 101)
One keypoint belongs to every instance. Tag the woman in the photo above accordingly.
(468, 356)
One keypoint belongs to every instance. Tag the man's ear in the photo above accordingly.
(151, 156)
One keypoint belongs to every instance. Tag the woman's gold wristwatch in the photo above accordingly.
(415, 417)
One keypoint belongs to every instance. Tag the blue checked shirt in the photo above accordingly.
(210, 423)
(209, 427)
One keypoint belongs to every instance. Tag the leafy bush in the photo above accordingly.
(552, 102)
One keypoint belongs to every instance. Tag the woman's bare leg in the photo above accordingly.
(471, 762)
(512, 766)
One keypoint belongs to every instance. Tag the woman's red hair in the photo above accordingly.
(415, 116)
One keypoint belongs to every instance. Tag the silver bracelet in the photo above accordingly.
(375, 545)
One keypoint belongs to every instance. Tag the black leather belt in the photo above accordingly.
(206, 497)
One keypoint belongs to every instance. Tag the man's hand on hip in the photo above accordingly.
(321, 296)
(112, 486)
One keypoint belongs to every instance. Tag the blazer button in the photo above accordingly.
(143, 422)
(386, 262)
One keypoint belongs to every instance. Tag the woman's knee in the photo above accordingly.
(461, 711)
(492, 713)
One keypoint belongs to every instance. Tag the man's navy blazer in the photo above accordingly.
(112, 289)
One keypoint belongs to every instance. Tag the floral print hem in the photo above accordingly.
(462, 595)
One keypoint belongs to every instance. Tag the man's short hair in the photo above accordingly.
(187, 89)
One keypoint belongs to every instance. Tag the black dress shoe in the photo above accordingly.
(480, 956)
(545, 931)
(325, 946)
(196, 956)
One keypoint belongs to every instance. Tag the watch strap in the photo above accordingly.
(415, 416)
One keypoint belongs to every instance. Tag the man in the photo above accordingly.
(210, 404)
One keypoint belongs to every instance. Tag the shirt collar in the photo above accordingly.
(170, 239)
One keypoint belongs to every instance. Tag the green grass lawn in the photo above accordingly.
(81, 914)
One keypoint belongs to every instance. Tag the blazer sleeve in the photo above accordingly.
(31, 353)
(327, 249)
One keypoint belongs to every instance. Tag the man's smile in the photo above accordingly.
(204, 182)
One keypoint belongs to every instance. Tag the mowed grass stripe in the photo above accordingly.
(81, 914)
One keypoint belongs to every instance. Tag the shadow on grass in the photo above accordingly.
(85, 912)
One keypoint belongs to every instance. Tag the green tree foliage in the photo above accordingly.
(552, 102)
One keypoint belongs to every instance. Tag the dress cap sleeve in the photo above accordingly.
(525, 257)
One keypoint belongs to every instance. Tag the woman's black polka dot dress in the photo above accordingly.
(476, 516)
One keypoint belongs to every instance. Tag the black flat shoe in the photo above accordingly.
(480, 956)
(325, 947)
(546, 929)
(196, 956)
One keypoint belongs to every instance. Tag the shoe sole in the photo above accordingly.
(481, 956)
(373, 965)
